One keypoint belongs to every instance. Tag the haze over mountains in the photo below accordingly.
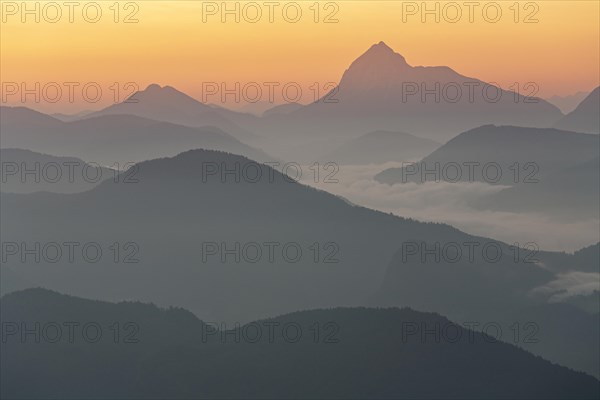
(270, 209)
(380, 147)
(585, 117)
(379, 91)
(571, 192)
(111, 138)
(550, 149)
(190, 212)
(344, 250)
(282, 109)
(71, 117)
(25, 171)
(548, 170)
(568, 103)
(170, 105)
(500, 293)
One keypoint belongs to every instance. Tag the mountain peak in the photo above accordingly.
(166, 95)
(156, 88)
(374, 68)
(381, 51)
(380, 57)
(381, 45)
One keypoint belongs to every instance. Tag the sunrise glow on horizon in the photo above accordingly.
(185, 44)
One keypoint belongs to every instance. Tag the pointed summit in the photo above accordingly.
(374, 68)
(381, 52)
(382, 47)
(381, 91)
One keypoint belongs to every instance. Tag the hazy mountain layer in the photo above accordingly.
(585, 117)
(380, 147)
(192, 229)
(25, 171)
(112, 138)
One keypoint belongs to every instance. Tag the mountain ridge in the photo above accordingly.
(172, 353)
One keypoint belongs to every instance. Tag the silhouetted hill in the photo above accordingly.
(573, 192)
(550, 149)
(586, 117)
(170, 105)
(563, 329)
(588, 258)
(357, 353)
(335, 253)
(548, 171)
(178, 195)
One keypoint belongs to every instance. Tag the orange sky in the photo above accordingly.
(170, 44)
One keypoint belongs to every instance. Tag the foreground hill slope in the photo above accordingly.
(357, 353)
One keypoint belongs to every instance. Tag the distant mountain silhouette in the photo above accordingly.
(25, 171)
(23, 119)
(566, 104)
(170, 105)
(362, 353)
(549, 171)
(586, 117)
(587, 302)
(71, 117)
(573, 192)
(380, 147)
(282, 109)
(111, 138)
(551, 150)
(377, 92)
(256, 108)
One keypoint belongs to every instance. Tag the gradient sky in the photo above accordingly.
(172, 45)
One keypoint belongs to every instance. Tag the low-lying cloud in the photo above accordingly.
(448, 203)
(570, 284)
